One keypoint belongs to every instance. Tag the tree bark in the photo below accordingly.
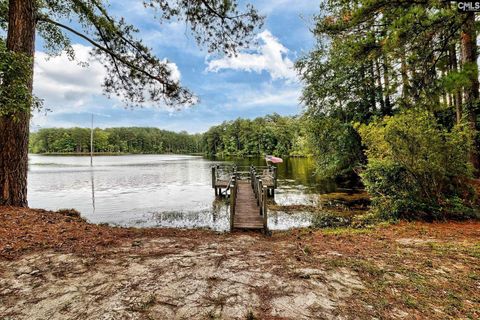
(405, 80)
(14, 126)
(471, 92)
(386, 81)
(380, 87)
(457, 96)
(372, 93)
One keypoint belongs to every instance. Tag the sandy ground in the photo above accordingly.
(407, 271)
(167, 279)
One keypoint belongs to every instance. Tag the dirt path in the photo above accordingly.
(408, 271)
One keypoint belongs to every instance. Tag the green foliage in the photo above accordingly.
(15, 79)
(271, 134)
(416, 168)
(375, 57)
(335, 145)
(456, 80)
(3, 14)
(114, 140)
(394, 70)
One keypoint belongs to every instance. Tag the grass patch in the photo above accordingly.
(347, 231)
(474, 251)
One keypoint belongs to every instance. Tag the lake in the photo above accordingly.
(161, 190)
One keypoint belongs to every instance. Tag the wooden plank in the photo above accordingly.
(247, 213)
(221, 183)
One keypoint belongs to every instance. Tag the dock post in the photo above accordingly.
(252, 176)
(214, 179)
(274, 177)
(259, 193)
(264, 210)
(233, 195)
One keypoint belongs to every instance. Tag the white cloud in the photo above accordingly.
(65, 83)
(286, 97)
(270, 57)
(175, 75)
(74, 87)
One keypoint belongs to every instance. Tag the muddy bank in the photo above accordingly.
(405, 271)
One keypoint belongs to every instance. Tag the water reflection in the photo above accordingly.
(160, 190)
(92, 177)
(294, 172)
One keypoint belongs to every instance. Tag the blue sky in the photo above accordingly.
(257, 82)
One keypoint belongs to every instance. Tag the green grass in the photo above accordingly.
(347, 231)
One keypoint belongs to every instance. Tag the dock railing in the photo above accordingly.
(263, 180)
(233, 200)
(222, 174)
(261, 195)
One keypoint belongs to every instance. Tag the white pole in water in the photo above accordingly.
(91, 144)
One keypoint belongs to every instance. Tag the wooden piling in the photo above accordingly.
(264, 210)
(214, 179)
(275, 177)
(233, 196)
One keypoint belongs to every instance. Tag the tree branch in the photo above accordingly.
(215, 12)
(104, 49)
(105, 14)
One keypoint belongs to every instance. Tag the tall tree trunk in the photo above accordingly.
(405, 80)
(457, 96)
(445, 95)
(371, 91)
(469, 56)
(380, 90)
(386, 82)
(14, 126)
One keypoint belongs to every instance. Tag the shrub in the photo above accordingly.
(416, 168)
(336, 146)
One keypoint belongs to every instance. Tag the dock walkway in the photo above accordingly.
(247, 212)
(248, 192)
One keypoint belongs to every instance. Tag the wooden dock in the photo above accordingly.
(248, 192)
(247, 212)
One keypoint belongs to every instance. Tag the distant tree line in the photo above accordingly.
(272, 134)
(114, 140)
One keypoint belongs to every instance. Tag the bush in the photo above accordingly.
(336, 146)
(416, 168)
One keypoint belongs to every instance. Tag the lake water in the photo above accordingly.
(160, 190)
